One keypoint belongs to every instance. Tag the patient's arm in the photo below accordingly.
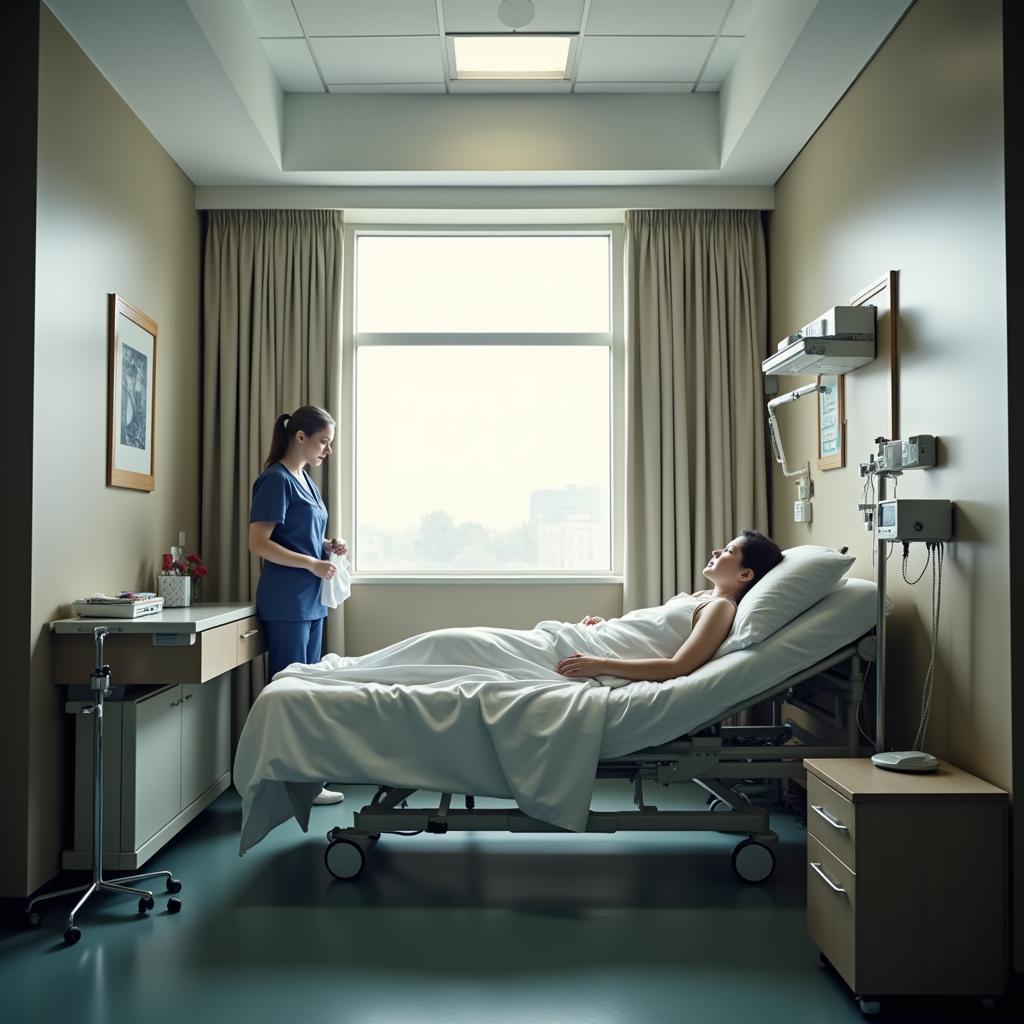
(699, 647)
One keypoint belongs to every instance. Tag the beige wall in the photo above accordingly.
(907, 174)
(115, 214)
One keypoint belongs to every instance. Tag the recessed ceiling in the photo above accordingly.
(361, 94)
(322, 46)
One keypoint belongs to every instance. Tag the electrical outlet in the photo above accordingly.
(801, 511)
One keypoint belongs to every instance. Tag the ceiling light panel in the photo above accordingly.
(274, 18)
(364, 60)
(368, 17)
(478, 16)
(642, 58)
(520, 56)
(293, 65)
(656, 17)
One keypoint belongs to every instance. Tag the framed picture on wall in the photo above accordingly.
(131, 396)
(831, 423)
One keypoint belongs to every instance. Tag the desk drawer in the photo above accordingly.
(831, 906)
(251, 642)
(831, 819)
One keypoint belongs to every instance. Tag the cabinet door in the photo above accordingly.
(205, 736)
(151, 781)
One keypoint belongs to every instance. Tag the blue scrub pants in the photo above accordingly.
(288, 642)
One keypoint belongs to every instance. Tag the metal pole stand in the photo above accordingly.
(100, 683)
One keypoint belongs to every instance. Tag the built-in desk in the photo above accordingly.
(167, 723)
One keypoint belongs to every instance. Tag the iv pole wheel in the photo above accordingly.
(72, 935)
(173, 905)
(173, 885)
(146, 903)
(32, 919)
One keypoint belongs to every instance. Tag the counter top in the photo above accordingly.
(195, 619)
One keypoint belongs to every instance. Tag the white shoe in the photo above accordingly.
(328, 796)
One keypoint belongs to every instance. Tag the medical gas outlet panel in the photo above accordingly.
(910, 519)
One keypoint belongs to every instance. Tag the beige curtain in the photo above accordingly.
(271, 342)
(695, 447)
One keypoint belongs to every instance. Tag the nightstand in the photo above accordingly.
(907, 879)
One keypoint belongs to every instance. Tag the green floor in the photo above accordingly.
(463, 928)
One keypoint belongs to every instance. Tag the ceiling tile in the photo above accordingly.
(634, 87)
(370, 59)
(740, 17)
(293, 65)
(722, 58)
(366, 18)
(274, 18)
(641, 59)
(482, 16)
(656, 17)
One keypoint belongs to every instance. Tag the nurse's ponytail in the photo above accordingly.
(310, 419)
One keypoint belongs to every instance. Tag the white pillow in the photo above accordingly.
(805, 575)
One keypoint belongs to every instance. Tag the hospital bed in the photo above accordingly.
(653, 734)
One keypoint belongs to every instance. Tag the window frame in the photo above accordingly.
(614, 340)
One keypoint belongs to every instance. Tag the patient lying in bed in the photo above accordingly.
(650, 644)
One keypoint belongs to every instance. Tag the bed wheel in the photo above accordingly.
(345, 859)
(753, 861)
(717, 805)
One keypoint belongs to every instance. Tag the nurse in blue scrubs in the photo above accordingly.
(287, 529)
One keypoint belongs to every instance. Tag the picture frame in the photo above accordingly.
(131, 396)
(831, 422)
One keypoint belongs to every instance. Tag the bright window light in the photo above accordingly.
(511, 56)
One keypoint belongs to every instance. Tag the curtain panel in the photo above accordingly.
(272, 290)
(695, 440)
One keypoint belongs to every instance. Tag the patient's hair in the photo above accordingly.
(759, 553)
(310, 419)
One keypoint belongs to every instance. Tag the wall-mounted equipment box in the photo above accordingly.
(912, 519)
(840, 340)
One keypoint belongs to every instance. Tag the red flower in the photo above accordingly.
(167, 563)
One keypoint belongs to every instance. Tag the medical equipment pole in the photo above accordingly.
(880, 627)
(99, 682)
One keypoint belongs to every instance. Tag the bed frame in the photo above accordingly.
(729, 762)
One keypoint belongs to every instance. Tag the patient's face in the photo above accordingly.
(724, 564)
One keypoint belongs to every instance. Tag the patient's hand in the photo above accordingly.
(590, 620)
(582, 665)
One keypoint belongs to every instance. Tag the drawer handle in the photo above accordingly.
(831, 819)
(252, 632)
(828, 881)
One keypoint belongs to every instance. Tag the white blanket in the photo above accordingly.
(474, 710)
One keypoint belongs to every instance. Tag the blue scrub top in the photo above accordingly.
(285, 594)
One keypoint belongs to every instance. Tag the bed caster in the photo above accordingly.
(753, 861)
(72, 935)
(32, 919)
(345, 859)
(718, 806)
(869, 1007)
(146, 903)
(173, 905)
(173, 885)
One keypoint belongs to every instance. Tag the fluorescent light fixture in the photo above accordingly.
(520, 56)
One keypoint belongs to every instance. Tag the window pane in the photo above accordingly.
(471, 284)
(492, 458)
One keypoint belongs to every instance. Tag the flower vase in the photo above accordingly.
(175, 590)
(197, 589)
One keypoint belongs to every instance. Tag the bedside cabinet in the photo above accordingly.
(907, 879)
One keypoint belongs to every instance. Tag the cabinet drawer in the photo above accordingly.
(831, 903)
(831, 820)
(250, 643)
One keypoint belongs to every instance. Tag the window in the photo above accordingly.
(483, 382)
